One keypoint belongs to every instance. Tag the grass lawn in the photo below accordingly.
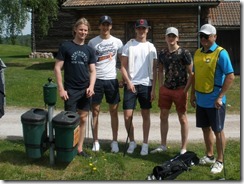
(25, 77)
(104, 166)
(24, 80)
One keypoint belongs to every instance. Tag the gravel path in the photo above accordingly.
(11, 126)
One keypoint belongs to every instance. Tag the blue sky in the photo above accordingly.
(27, 29)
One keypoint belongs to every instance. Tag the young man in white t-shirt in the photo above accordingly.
(107, 49)
(138, 68)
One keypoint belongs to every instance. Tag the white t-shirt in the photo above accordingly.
(106, 56)
(140, 53)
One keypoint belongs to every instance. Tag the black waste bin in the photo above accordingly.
(67, 133)
(34, 123)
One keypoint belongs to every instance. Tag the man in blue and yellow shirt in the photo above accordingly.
(213, 76)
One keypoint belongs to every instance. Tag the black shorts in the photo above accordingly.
(77, 100)
(109, 88)
(143, 93)
(211, 117)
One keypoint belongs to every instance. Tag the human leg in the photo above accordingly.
(128, 116)
(164, 125)
(128, 123)
(184, 130)
(111, 91)
(145, 124)
(209, 143)
(180, 100)
(165, 102)
(218, 127)
(83, 118)
(220, 145)
(96, 101)
(113, 109)
(95, 114)
(203, 121)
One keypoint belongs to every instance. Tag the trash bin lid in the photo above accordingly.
(34, 115)
(66, 118)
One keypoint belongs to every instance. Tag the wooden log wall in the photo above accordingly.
(184, 18)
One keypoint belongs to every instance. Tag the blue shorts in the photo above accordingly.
(109, 88)
(77, 100)
(143, 93)
(211, 117)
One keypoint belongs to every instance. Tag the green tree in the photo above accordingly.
(44, 12)
(13, 19)
(14, 15)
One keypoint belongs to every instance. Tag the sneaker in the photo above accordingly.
(182, 151)
(115, 147)
(96, 146)
(82, 153)
(217, 167)
(206, 160)
(144, 149)
(132, 146)
(159, 149)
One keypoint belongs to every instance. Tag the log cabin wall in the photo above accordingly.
(184, 18)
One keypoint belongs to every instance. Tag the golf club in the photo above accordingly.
(128, 134)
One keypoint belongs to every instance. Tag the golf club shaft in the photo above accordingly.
(128, 133)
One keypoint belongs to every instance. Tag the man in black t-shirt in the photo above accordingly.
(78, 61)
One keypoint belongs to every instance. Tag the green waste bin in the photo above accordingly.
(67, 133)
(34, 123)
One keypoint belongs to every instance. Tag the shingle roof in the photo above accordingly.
(83, 3)
(226, 14)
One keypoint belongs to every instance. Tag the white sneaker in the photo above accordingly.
(96, 146)
(159, 149)
(182, 151)
(205, 160)
(115, 147)
(217, 167)
(132, 146)
(144, 149)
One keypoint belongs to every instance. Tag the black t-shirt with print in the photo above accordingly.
(76, 64)
(175, 64)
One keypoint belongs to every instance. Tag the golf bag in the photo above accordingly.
(170, 169)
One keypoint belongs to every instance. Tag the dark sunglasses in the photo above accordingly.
(204, 36)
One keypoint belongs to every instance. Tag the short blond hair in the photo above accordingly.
(79, 22)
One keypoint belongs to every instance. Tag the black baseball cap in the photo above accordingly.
(142, 23)
(105, 18)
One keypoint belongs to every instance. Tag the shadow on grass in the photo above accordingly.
(17, 56)
(41, 66)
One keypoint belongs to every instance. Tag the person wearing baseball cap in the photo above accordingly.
(104, 19)
(177, 63)
(138, 68)
(142, 23)
(213, 75)
(208, 29)
(172, 30)
(107, 50)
